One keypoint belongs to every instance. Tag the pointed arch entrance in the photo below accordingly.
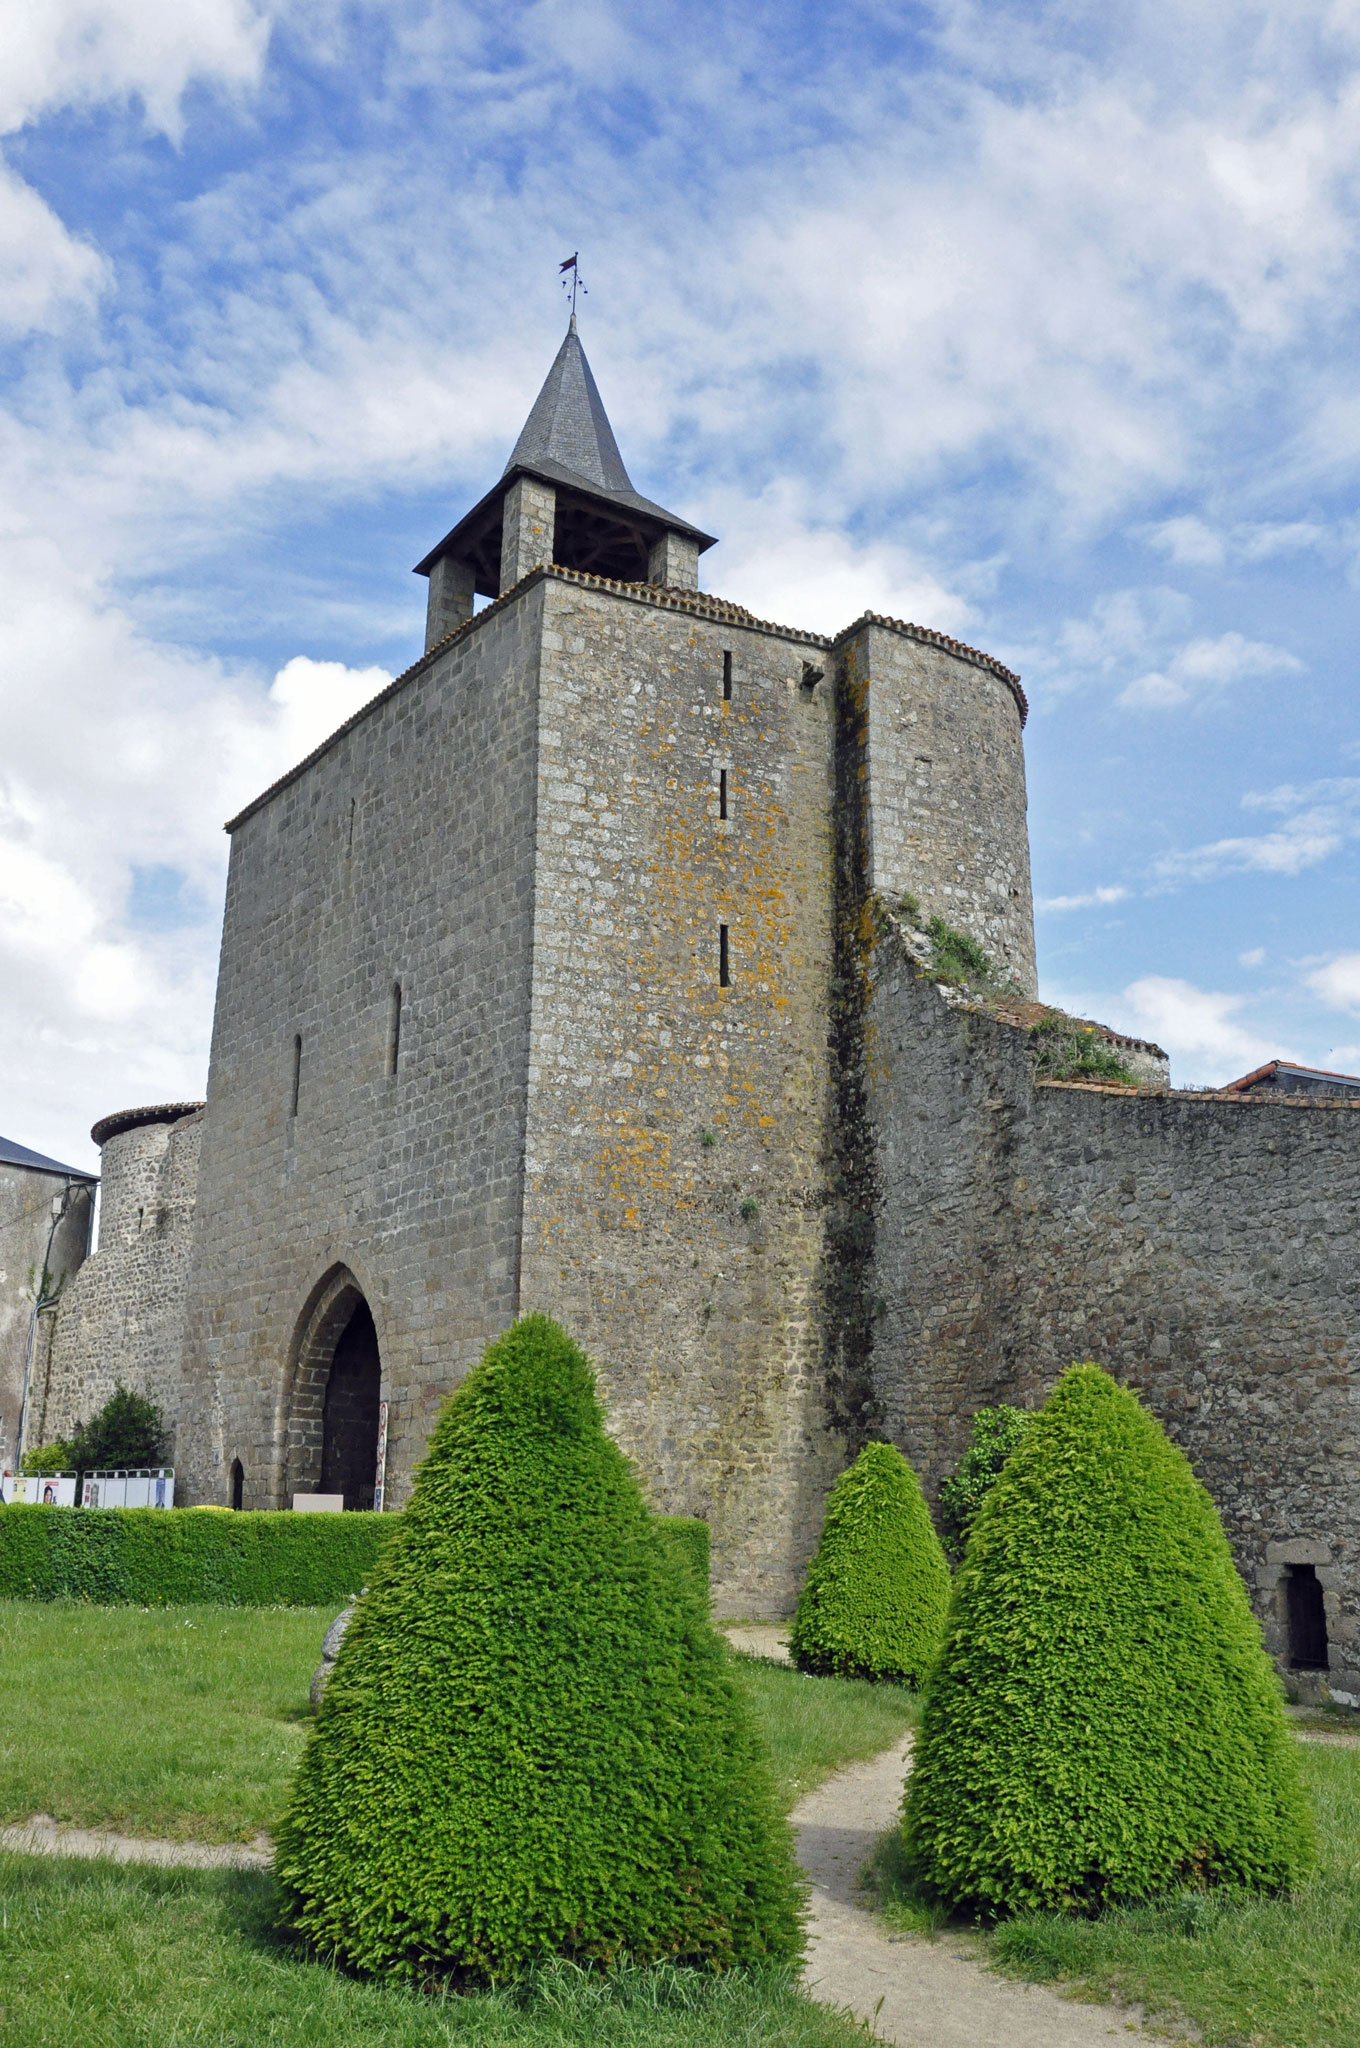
(336, 1387)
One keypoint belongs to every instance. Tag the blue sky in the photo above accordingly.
(1032, 324)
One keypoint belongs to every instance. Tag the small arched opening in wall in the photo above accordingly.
(335, 1387)
(238, 1483)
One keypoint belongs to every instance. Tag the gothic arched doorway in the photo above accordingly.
(334, 1388)
(349, 1415)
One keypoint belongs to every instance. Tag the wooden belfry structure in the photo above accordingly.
(564, 497)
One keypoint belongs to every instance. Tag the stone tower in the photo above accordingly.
(528, 1000)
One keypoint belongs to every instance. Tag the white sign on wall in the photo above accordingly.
(381, 1473)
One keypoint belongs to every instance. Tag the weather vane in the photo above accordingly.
(572, 264)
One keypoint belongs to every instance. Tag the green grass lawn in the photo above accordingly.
(1271, 1973)
(155, 1959)
(815, 1726)
(182, 1722)
(188, 1722)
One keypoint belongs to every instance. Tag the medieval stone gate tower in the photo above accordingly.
(569, 975)
(526, 1001)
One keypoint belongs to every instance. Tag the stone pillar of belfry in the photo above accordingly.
(528, 516)
(674, 561)
(450, 601)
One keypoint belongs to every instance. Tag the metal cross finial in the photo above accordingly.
(572, 264)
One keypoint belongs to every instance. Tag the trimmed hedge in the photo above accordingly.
(878, 1588)
(1103, 1724)
(181, 1557)
(532, 1743)
(171, 1557)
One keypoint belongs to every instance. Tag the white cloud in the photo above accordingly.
(1320, 818)
(1291, 537)
(1188, 541)
(1199, 1028)
(48, 273)
(76, 53)
(1203, 668)
(1191, 542)
(1338, 983)
(129, 755)
(1255, 957)
(1090, 901)
(784, 567)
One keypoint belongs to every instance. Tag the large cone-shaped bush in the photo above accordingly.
(877, 1590)
(531, 1744)
(1103, 1723)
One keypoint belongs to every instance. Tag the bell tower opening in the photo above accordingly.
(349, 1416)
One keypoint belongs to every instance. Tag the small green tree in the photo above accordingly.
(128, 1430)
(58, 1456)
(994, 1435)
(1103, 1723)
(876, 1592)
(532, 1744)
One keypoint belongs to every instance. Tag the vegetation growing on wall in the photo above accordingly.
(1065, 1049)
(995, 1433)
(1103, 1723)
(532, 1743)
(876, 1592)
(956, 958)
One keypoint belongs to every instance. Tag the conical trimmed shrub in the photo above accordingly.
(877, 1591)
(531, 1744)
(1103, 1723)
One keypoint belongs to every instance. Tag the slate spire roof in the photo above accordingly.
(566, 441)
(569, 426)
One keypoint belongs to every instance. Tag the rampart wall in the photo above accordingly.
(1206, 1250)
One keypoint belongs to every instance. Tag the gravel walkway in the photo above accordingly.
(917, 1990)
(43, 1836)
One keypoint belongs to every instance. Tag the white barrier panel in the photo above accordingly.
(147, 1488)
(49, 1489)
(318, 1503)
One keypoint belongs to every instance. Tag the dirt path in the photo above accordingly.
(43, 1836)
(918, 1991)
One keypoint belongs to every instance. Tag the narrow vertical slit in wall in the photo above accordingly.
(727, 672)
(394, 1029)
(1307, 1619)
(722, 792)
(297, 1076)
(724, 965)
(238, 1482)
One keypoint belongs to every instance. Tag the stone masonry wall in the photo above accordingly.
(1205, 1250)
(945, 768)
(26, 1198)
(400, 854)
(121, 1319)
(674, 1213)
